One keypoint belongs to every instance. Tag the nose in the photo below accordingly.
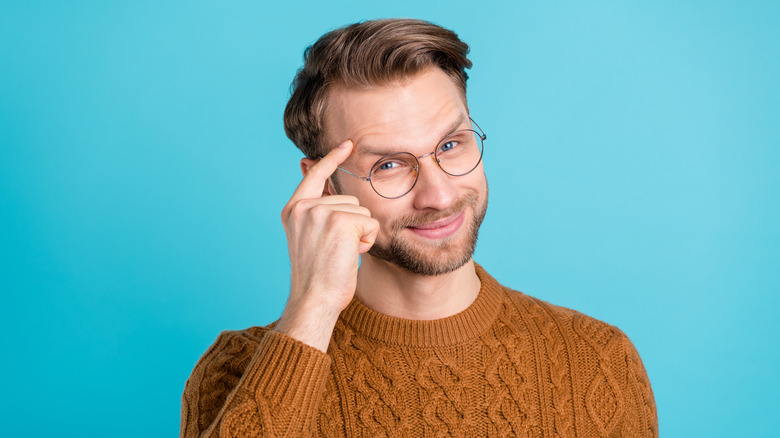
(434, 189)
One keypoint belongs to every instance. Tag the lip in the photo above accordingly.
(441, 228)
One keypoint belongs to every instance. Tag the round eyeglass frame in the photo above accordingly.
(480, 134)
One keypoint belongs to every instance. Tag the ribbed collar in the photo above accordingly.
(452, 330)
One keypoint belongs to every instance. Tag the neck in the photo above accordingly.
(393, 291)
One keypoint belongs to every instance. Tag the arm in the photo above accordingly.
(641, 401)
(242, 387)
(326, 233)
(273, 386)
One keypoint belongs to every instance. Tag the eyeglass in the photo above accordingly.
(394, 175)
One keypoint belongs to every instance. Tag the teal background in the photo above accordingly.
(632, 155)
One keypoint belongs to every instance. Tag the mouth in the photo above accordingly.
(441, 228)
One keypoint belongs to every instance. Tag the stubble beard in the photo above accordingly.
(437, 257)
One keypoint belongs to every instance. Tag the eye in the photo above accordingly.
(388, 165)
(389, 168)
(394, 165)
(448, 146)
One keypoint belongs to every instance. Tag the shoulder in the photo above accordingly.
(225, 360)
(575, 328)
(533, 310)
(232, 350)
(556, 324)
(216, 373)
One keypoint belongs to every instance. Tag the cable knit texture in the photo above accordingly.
(509, 365)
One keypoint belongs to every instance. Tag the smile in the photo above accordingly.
(441, 228)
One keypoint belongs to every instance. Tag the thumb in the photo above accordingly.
(368, 239)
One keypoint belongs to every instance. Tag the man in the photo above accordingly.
(391, 329)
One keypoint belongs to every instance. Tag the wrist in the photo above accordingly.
(311, 324)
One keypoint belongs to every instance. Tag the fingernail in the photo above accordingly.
(344, 145)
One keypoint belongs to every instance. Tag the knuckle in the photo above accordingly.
(297, 210)
(287, 212)
(338, 219)
(320, 212)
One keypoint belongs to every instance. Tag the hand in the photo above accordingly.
(325, 236)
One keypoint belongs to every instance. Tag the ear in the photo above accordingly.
(306, 164)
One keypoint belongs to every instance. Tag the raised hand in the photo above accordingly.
(325, 236)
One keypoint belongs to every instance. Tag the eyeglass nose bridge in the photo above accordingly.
(429, 154)
(416, 168)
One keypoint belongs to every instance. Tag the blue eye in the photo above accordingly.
(387, 165)
(452, 144)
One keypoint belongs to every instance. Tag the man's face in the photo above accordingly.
(433, 229)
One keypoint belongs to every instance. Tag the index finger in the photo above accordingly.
(315, 178)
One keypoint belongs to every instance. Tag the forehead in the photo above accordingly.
(403, 114)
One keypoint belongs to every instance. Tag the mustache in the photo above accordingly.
(413, 220)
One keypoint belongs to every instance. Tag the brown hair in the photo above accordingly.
(366, 54)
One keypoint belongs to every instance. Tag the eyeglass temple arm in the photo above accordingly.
(482, 134)
(364, 178)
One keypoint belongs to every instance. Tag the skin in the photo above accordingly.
(327, 232)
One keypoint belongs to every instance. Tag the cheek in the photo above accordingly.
(480, 180)
(383, 210)
(387, 212)
(383, 214)
(351, 186)
(474, 181)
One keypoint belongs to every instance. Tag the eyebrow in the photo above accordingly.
(380, 151)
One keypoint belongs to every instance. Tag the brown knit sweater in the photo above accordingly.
(509, 365)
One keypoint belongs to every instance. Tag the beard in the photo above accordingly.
(436, 257)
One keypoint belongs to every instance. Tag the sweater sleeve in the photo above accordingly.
(640, 401)
(248, 387)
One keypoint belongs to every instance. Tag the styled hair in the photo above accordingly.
(362, 55)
